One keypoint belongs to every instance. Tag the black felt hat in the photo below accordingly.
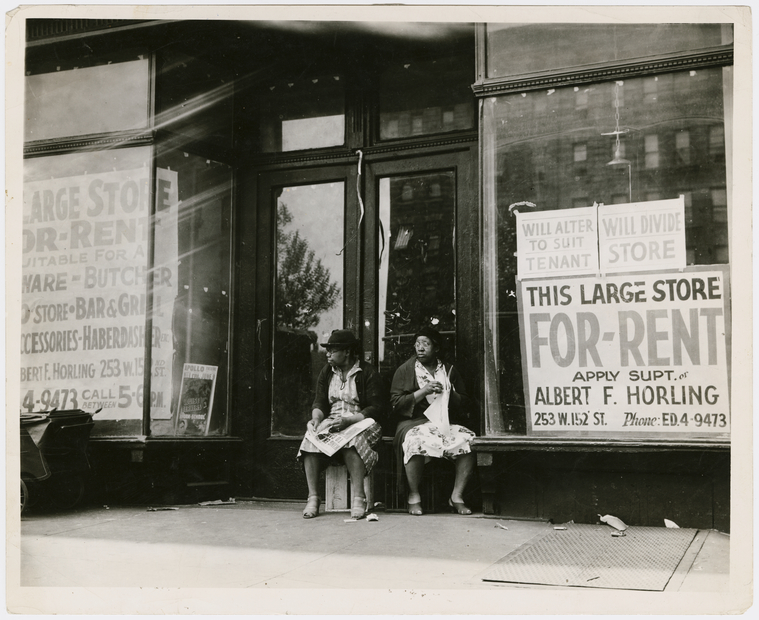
(342, 338)
(428, 332)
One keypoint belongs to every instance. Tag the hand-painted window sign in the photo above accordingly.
(85, 276)
(639, 236)
(557, 242)
(637, 355)
(642, 236)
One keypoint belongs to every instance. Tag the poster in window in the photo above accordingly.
(642, 235)
(84, 293)
(557, 242)
(639, 355)
(196, 399)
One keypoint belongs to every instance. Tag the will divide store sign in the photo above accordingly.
(619, 339)
(639, 236)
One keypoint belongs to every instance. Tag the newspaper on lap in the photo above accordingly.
(329, 443)
(437, 412)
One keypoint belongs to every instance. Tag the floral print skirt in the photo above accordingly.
(426, 440)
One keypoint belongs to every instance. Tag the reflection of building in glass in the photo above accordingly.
(421, 271)
(551, 150)
(422, 97)
(308, 299)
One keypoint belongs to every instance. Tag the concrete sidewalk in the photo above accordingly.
(270, 545)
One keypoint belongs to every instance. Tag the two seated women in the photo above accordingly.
(349, 391)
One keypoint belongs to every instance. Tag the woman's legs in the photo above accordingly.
(356, 470)
(464, 469)
(313, 467)
(414, 470)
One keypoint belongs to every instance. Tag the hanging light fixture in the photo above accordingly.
(618, 159)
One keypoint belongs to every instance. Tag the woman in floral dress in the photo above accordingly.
(417, 384)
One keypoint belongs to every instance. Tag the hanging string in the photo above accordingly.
(382, 238)
(360, 200)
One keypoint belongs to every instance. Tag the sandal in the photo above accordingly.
(459, 507)
(312, 507)
(358, 510)
(415, 509)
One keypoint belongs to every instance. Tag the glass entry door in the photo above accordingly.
(307, 265)
(308, 294)
(416, 284)
(417, 266)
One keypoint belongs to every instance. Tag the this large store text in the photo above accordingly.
(629, 354)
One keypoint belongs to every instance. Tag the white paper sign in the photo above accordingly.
(627, 355)
(642, 236)
(84, 284)
(551, 243)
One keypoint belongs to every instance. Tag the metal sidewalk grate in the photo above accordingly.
(589, 556)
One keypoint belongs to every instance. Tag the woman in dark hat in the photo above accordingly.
(348, 404)
(418, 384)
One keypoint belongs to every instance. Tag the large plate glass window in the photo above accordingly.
(84, 284)
(191, 296)
(193, 99)
(515, 49)
(67, 100)
(303, 112)
(421, 97)
(554, 148)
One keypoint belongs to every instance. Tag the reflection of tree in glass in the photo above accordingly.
(304, 289)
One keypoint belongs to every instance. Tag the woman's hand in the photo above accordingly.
(433, 387)
(325, 426)
(316, 419)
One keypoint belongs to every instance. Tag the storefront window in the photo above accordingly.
(308, 302)
(74, 101)
(191, 292)
(419, 97)
(515, 49)
(417, 265)
(84, 279)
(90, 265)
(193, 99)
(542, 153)
(302, 113)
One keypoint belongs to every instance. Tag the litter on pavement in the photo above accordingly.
(369, 517)
(615, 522)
